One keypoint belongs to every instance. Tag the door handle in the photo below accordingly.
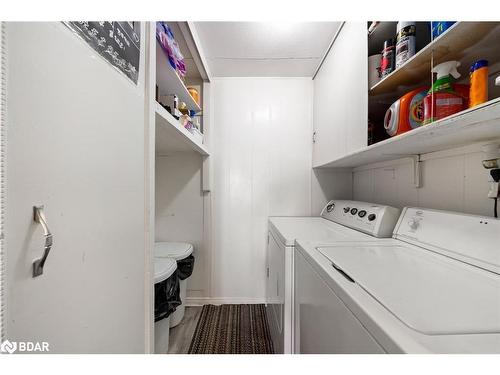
(39, 217)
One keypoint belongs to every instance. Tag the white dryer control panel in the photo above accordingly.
(468, 238)
(374, 219)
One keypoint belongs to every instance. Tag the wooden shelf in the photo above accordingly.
(464, 41)
(476, 124)
(169, 82)
(172, 137)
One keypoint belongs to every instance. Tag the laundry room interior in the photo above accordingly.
(243, 187)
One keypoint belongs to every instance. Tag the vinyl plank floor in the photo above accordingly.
(181, 335)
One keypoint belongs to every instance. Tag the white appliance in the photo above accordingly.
(434, 288)
(334, 224)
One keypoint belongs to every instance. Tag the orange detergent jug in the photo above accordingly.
(406, 113)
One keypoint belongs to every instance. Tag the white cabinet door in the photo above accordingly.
(341, 96)
(323, 324)
(75, 128)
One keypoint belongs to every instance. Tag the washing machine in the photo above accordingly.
(433, 288)
(340, 220)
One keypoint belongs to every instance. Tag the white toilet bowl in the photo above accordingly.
(176, 251)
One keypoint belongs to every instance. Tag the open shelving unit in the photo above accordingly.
(458, 42)
(473, 125)
(465, 42)
(169, 81)
(171, 136)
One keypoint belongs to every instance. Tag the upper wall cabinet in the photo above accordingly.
(431, 86)
(340, 96)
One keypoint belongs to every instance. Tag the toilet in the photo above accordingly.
(178, 251)
(164, 268)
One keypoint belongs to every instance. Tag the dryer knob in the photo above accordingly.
(413, 224)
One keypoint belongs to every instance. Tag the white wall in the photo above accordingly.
(327, 184)
(262, 150)
(179, 211)
(452, 180)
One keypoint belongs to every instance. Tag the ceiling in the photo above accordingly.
(265, 49)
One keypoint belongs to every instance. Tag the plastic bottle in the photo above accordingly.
(478, 83)
(442, 100)
(194, 94)
(439, 27)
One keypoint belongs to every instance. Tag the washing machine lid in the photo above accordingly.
(288, 229)
(429, 292)
(164, 268)
(174, 250)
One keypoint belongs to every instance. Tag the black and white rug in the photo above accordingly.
(232, 329)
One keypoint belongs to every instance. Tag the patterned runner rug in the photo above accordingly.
(232, 329)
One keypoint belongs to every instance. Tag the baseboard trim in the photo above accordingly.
(200, 301)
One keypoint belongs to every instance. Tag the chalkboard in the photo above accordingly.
(119, 43)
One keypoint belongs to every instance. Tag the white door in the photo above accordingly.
(340, 109)
(75, 144)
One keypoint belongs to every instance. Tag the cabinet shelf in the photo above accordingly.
(464, 41)
(172, 137)
(169, 82)
(476, 124)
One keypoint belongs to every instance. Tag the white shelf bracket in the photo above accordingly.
(417, 180)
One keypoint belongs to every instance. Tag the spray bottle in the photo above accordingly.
(442, 99)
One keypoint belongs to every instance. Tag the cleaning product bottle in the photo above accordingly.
(442, 100)
(388, 62)
(478, 83)
(406, 113)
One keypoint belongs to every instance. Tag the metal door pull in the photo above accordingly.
(39, 217)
